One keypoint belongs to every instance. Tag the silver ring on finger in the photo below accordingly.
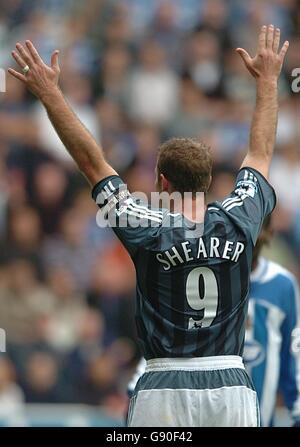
(25, 69)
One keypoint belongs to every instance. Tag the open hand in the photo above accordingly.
(268, 62)
(39, 77)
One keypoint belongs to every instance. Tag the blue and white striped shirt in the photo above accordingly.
(270, 352)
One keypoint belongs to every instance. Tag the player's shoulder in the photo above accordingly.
(252, 177)
(276, 285)
(220, 221)
(273, 272)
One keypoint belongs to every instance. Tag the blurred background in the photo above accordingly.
(136, 72)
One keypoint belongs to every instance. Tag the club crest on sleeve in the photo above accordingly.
(246, 187)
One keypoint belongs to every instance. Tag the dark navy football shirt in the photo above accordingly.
(192, 279)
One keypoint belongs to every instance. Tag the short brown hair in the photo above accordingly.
(186, 163)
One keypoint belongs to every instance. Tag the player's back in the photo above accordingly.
(192, 286)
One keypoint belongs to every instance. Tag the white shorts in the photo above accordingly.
(194, 392)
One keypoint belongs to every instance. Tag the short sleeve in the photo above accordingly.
(133, 221)
(252, 200)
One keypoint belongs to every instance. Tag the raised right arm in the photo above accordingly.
(42, 81)
(265, 67)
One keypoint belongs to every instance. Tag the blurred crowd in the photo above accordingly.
(136, 72)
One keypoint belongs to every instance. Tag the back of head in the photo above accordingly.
(186, 163)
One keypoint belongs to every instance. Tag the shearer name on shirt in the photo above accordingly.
(182, 253)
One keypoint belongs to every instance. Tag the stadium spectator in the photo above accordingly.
(153, 89)
(24, 303)
(12, 411)
(41, 382)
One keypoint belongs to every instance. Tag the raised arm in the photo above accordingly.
(265, 67)
(42, 81)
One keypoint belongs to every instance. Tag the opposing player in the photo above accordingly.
(271, 351)
(192, 291)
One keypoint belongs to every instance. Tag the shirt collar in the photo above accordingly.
(258, 273)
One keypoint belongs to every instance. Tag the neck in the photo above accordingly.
(254, 265)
